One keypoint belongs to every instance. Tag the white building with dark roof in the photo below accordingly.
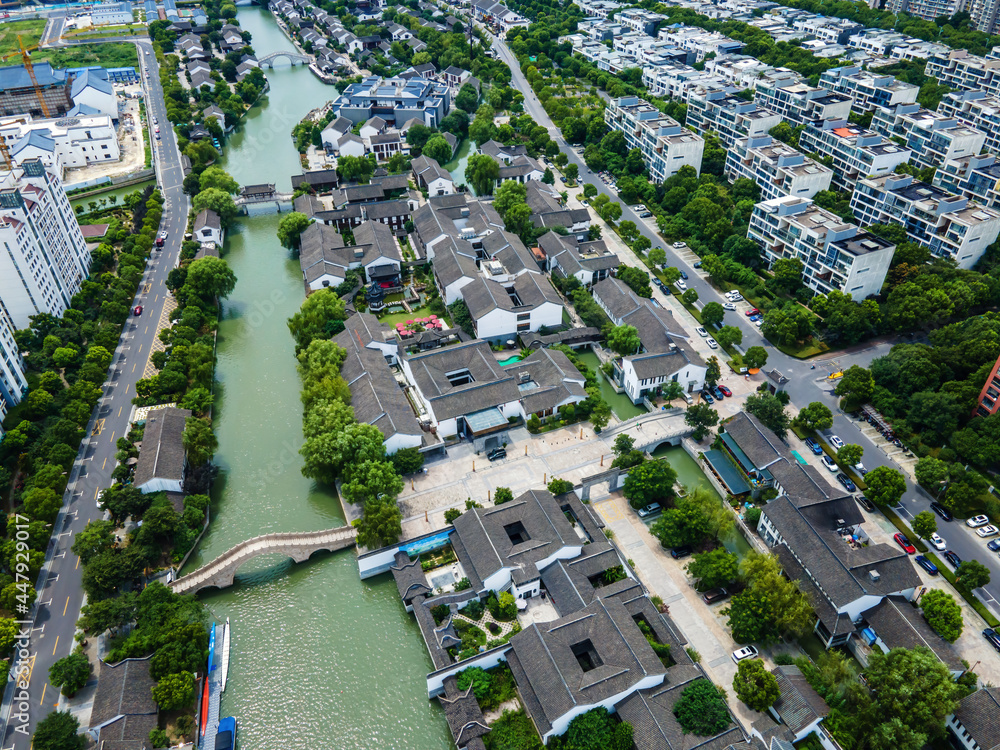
(428, 174)
(732, 118)
(868, 90)
(162, 458)
(932, 137)
(856, 153)
(325, 260)
(665, 145)
(776, 168)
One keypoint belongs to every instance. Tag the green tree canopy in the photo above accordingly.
(973, 574)
(320, 317)
(712, 313)
(58, 731)
(701, 709)
(924, 524)
(216, 200)
(649, 482)
(290, 229)
(755, 685)
(624, 340)
(209, 278)
(816, 416)
(175, 691)
(70, 673)
(381, 524)
(885, 486)
(755, 357)
(942, 613)
(219, 179)
(714, 568)
(769, 410)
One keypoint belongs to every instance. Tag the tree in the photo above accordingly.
(681, 526)
(219, 179)
(973, 574)
(559, 486)
(712, 314)
(751, 617)
(438, 148)
(855, 387)
(589, 191)
(371, 480)
(755, 357)
(770, 411)
(624, 443)
(624, 340)
(482, 172)
(502, 495)
(715, 568)
(701, 417)
(924, 524)
(817, 416)
(210, 278)
(593, 730)
(850, 454)
(885, 486)
(316, 319)
(355, 168)
(467, 98)
(58, 731)
(701, 709)
(931, 473)
(290, 229)
(381, 524)
(600, 415)
(658, 256)
(690, 296)
(942, 613)
(97, 537)
(728, 335)
(217, 200)
(649, 482)
(199, 441)
(789, 609)
(755, 686)
(571, 172)
(175, 691)
(70, 673)
(407, 460)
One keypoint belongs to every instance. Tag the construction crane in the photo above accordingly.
(31, 74)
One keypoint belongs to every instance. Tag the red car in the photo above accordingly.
(751, 311)
(725, 391)
(903, 542)
(137, 310)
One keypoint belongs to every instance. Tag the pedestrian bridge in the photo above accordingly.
(299, 546)
(292, 57)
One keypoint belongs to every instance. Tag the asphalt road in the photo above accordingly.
(60, 595)
(805, 384)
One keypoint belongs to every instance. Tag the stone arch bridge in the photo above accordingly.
(299, 546)
(292, 57)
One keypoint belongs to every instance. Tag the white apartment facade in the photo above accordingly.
(868, 90)
(13, 383)
(731, 117)
(44, 259)
(677, 80)
(959, 70)
(978, 110)
(976, 177)
(834, 253)
(665, 145)
(933, 138)
(62, 143)
(856, 153)
(951, 226)
(777, 168)
(799, 103)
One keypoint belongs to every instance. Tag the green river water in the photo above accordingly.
(319, 658)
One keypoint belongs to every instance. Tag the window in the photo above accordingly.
(460, 377)
(586, 655)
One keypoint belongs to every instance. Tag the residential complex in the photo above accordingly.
(46, 259)
(977, 110)
(19, 93)
(799, 103)
(868, 90)
(776, 168)
(957, 69)
(931, 137)
(855, 152)
(989, 396)
(977, 177)
(396, 100)
(665, 145)
(949, 225)
(719, 110)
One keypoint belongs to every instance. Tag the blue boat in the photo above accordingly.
(225, 738)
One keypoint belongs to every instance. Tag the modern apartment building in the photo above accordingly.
(665, 145)
(978, 110)
(395, 100)
(717, 109)
(925, 9)
(932, 137)
(951, 226)
(957, 69)
(834, 253)
(856, 152)
(677, 81)
(799, 103)
(976, 177)
(989, 396)
(777, 168)
(13, 384)
(984, 14)
(742, 71)
(45, 259)
(868, 90)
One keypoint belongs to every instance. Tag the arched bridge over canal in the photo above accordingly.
(299, 546)
(292, 57)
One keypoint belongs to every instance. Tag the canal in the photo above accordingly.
(319, 658)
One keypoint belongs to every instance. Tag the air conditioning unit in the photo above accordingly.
(874, 575)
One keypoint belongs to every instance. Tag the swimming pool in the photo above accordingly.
(510, 360)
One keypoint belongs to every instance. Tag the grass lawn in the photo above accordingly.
(401, 317)
(809, 349)
(114, 55)
(30, 31)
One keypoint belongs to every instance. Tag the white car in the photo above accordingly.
(678, 245)
(977, 521)
(747, 652)
(830, 464)
(985, 531)
(937, 542)
(681, 285)
(758, 322)
(712, 344)
(734, 293)
(728, 306)
(701, 332)
(836, 442)
(734, 297)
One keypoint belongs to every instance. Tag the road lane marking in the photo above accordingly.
(54, 647)
(127, 387)
(66, 606)
(42, 701)
(113, 437)
(105, 464)
(74, 568)
(133, 367)
(95, 492)
(120, 410)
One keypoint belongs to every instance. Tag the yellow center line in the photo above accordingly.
(54, 647)
(95, 492)
(42, 701)
(146, 331)
(133, 367)
(113, 438)
(74, 568)
(127, 387)
(104, 465)
(120, 410)
(66, 605)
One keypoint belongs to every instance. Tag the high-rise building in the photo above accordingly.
(925, 9)
(799, 103)
(43, 256)
(776, 168)
(665, 145)
(721, 111)
(13, 384)
(856, 152)
(867, 89)
(932, 137)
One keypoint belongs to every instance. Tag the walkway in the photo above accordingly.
(297, 545)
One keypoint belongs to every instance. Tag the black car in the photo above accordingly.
(715, 595)
(993, 637)
(497, 453)
(707, 397)
(717, 393)
(926, 564)
(942, 511)
(953, 559)
(680, 552)
(846, 482)
(865, 503)
(684, 276)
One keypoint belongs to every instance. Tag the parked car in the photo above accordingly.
(701, 332)
(728, 306)
(814, 446)
(718, 393)
(645, 215)
(846, 482)
(677, 245)
(712, 344)
(985, 531)
(993, 545)
(679, 553)
(138, 310)
(977, 521)
(497, 453)
(684, 275)
(707, 397)
(751, 312)
(903, 542)
(937, 542)
(993, 637)
(953, 559)
(926, 564)
(747, 652)
(836, 442)
(681, 285)
(650, 510)
(715, 595)
(697, 264)
(756, 318)
(865, 503)
(942, 511)
(725, 391)
(830, 464)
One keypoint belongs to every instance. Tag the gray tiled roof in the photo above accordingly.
(162, 453)
(555, 677)
(520, 166)
(900, 625)
(461, 710)
(123, 689)
(128, 733)
(980, 715)
(409, 577)
(833, 621)
(510, 251)
(387, 209)
(555, 379)
(542, 198)
(799, 705)
(568, 581)
(428, 169)
(359, 194)
(207, 218)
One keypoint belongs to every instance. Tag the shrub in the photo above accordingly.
(407, 460)
(506, 609)
(753, 517)
(560, 486)
(70, 673)
(451, 514)
(701, 709)
(693, 654)
(440, 612)
(513, 731)
(502, 495)
(478, 678)
(463, 584)
(783, 659)
(473, 610)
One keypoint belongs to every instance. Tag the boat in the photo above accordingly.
(225, 738)
(224, 671)
(205, 693)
